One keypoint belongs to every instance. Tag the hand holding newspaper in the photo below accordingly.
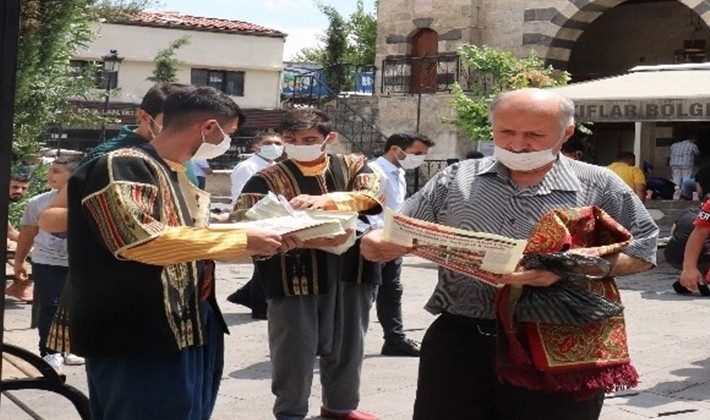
(481, 255)
(274, 213)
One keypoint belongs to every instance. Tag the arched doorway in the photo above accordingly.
(638, 32)
(603, 39)
(425, 49)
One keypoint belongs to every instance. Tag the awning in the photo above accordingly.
(679, 92)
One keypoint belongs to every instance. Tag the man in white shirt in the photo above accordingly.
(682, 158)
(267, 148)
(402, 152)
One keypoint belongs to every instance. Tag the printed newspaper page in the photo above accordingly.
(481, 255)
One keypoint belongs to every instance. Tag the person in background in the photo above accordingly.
(692, 277)
(49, 260)
(702, 182)
(689, 189)
(19, 185)
(675, 248)
(267, 147)
(317, 306)
(201, 168)
(142, 310)
(624, 167)
(573, 148)
(506, 194)
(682, 158)
(402, 152)
(474, 154)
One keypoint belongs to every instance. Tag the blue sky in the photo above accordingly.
(300, 19)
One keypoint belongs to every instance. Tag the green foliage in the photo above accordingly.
(51, 32)
(166, 64)
(351, 41)
(362, 29)
(492, 72)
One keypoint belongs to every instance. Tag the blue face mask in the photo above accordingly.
(270, 151)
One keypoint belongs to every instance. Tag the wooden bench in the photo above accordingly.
(22, 369)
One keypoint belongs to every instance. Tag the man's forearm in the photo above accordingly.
(624, 264)
(12, 233)
(694, 247)
(24, 243)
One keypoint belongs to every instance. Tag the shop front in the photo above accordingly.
(645, 111)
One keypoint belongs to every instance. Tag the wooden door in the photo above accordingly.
(424, 61)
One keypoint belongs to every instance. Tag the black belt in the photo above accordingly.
(485, 327)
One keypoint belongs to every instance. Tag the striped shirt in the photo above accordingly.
(683, 153)
(478, 195)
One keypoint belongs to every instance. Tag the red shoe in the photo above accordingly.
(21, 292)
(350, 415)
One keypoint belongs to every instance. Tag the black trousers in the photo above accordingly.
(457, 380)
(389, 300)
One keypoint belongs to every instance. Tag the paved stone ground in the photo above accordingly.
(669, 340)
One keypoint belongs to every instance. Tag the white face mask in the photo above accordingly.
(305, 153)
(410, 161)
(270, 151)
(526, 161)
(211, 151)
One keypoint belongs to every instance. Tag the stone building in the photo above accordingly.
(591, 39)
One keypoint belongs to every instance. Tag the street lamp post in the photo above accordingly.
(111, 64)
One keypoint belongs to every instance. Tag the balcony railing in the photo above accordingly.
(430, 74)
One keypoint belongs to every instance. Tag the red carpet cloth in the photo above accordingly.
(579, 359)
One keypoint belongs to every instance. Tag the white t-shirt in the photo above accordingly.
(49, 248)
(243, 171)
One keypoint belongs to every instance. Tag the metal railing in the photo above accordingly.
(420, 176)
(430, 74)
(315, 90)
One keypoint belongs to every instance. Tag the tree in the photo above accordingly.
(351, 41)
(491, 72)
(166, 64)
(51, 31)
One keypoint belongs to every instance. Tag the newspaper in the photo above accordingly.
(481, 255)
(274, 213)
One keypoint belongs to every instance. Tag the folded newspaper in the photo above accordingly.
(275, 214)
(481, 255)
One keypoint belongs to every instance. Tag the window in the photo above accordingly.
(82, 67)
(229, 82)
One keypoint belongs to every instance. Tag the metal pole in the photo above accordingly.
(419, 113)
(9, 39)
(108, 93)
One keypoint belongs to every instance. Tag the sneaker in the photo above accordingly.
(348, 415)
(71, 359)
(21, 291)
(54, 360)
(403, 347)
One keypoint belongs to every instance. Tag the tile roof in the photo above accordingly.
(178, 20)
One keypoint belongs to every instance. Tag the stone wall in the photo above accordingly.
(587, 36)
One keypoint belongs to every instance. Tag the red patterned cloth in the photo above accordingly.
(579, 359)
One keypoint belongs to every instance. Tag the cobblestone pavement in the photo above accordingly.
(669, 340)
